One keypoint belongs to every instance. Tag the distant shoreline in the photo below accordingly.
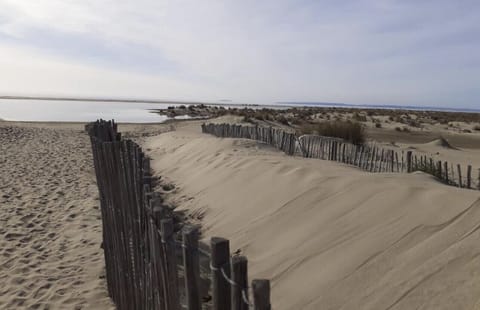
(278, 104)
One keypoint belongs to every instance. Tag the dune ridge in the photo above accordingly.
(328, 235)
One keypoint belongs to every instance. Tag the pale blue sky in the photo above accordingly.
(353, 51)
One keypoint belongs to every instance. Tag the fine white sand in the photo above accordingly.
(328, 236)
(50, 228)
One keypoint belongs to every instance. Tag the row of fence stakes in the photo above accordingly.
(141, 241)
(369, 157)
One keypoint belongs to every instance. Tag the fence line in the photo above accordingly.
(140, 239)
(369, 157)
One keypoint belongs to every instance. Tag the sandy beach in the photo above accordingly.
(50, 255)
(328, 235)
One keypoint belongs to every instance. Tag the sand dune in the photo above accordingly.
(441, 142)
(50, 228)
(328, 235)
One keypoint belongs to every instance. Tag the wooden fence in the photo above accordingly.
(147, 252)
(369, 157)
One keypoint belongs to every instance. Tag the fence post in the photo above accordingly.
(409, 161)
(261, 294)
(469, 176)
(156, 254)
(191, 265)
(478, 184)
(220, 250)
(239, 276)
(445, 167)
(170, 265)
(459, 168)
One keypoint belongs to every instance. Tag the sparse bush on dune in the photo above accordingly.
(359, 117)
(349, 131)
(282, 120)
(295, 121)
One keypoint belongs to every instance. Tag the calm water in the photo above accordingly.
(79, 111)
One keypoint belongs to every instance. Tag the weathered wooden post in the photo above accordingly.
(261, 294)
(392, 160)
(409, 161)
(445, 167)
(453, 173)
(403, 160)
(191, 265)
(240, 278)
(158, 276)
(478, 184)
(396, 159)
(220, 267)
(469, 176)
(170, 265)
(459, 175)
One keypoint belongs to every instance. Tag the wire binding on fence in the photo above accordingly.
(233, 283)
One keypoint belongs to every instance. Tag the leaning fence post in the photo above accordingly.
(240, 278)
(191, 265)
(220, 249)
(261, 294)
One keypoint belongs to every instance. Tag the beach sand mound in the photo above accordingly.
(441, 142)
(329, 236)
(50, 226)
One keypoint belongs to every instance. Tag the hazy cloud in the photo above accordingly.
(356, 51)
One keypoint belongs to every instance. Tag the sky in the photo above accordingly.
(422, 52)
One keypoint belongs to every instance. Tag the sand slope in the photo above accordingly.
(50, 228)
(329, 236)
